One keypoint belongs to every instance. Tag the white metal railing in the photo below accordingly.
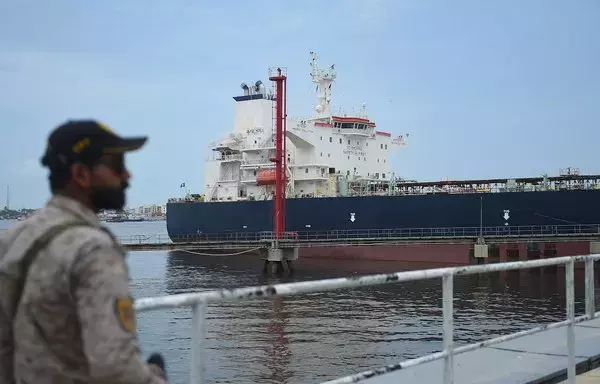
(198, 302)
(237, 156)
(265, 162)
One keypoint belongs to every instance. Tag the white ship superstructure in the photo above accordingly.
(325, 152)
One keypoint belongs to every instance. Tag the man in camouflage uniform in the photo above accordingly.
(66, 313)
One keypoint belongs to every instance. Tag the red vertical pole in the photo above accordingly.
(280, 160)
(284, 157)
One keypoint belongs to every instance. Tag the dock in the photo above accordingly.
(589, 377)
(541, 358)
(551, 353)
(336, 238)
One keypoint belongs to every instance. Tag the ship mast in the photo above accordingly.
(324, 79)
(280, 151)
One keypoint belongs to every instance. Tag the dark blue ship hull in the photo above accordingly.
(543, 208)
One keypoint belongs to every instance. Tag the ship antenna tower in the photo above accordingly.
(324, 79)
(279, 78)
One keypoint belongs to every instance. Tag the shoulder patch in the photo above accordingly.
(125, 313)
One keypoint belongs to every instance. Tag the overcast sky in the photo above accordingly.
(502, 88)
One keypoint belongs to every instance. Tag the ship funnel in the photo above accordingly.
(259, 88)
(246, 89)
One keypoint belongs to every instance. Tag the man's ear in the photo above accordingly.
(81, 175)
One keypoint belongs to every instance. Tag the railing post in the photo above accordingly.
(590, 303)
(570, 316)
(197, 361)
(448, 318)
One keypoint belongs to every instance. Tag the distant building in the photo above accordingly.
(152, 210)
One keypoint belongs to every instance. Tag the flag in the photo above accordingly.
(182, 185)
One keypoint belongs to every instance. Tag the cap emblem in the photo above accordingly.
(81, 145)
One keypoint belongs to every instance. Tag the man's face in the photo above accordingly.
(109, 179)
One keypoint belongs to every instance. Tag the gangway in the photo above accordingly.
(198, 302)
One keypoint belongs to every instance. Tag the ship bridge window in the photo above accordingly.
(340, 141)
(386, 146)
(330, 139)
(329, 155)
(306, 170)
(348, 142)
(381, 146)
(348, 125)
(383, 175)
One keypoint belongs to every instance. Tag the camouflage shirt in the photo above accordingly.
(75, 322)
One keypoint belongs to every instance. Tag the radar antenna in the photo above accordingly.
(324, 79)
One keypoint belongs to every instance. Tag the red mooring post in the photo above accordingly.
(280, 153)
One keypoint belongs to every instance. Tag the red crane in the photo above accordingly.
(280, 152)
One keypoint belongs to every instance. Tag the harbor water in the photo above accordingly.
(320, 336)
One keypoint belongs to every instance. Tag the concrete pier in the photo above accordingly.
(275, 257)
(540, 358)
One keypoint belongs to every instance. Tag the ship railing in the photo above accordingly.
(455, 232)
(187, 199)
(394, 233)
(414, 191)
(373, 234)
(199, 301)
(402, 190)
(229, 157)
(257, 162)
(299, 118)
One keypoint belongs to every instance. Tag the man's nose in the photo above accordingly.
(126, 175)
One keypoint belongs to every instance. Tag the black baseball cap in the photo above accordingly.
(85, 141)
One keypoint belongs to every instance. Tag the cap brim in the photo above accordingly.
(127, 145)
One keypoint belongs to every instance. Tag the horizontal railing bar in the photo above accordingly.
(466, 348)
(307, 236)
(287, 289)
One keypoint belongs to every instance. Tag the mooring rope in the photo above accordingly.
(217, 254)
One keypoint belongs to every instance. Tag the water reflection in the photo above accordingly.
(277, 353)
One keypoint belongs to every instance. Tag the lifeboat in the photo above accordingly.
(265, 177)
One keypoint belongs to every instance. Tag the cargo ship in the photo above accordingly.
(339, 180)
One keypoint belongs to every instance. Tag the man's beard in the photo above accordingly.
(108, 198)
